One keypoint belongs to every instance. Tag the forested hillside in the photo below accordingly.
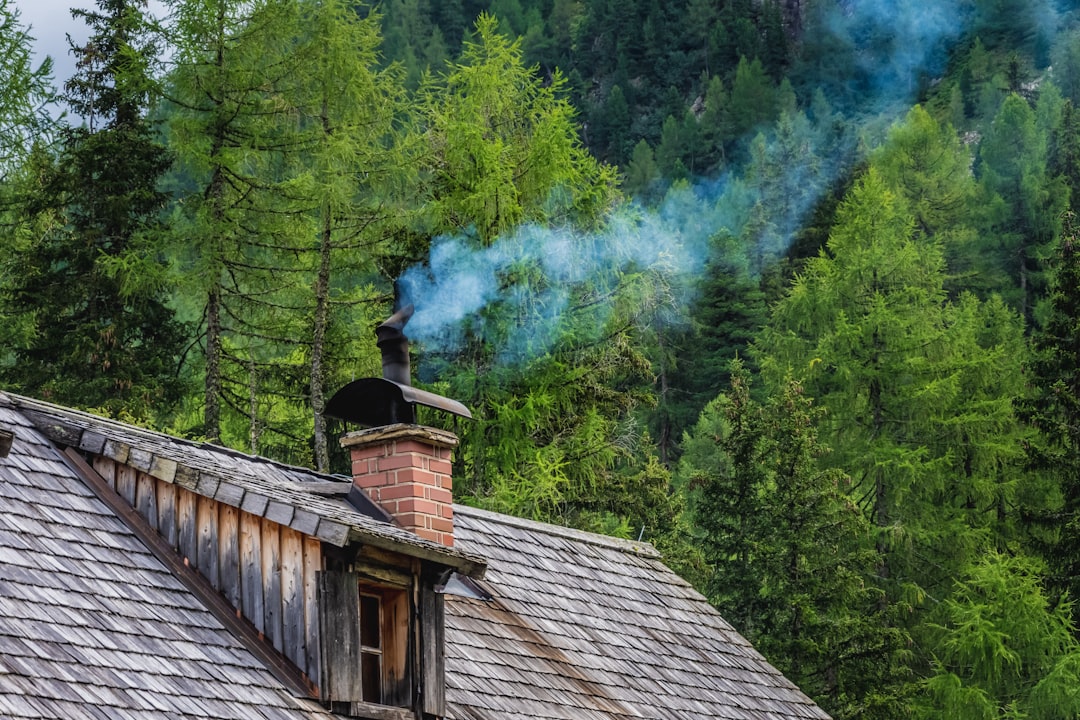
(789, 288)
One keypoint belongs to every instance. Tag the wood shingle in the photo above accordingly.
(583, 626)
(93, 624)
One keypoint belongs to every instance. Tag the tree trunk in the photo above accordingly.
(212, 411)
(318, 340)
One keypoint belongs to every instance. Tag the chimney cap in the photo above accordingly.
(378, 401)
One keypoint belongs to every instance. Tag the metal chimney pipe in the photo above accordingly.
(395, 347)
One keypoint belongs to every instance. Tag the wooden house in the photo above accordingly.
(145, 576)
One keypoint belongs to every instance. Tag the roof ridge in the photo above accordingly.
(633, 547)
(21, 402)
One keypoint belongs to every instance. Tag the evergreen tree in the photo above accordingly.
(1053, 409)
(753, 98)
(1025, 202)
(786, 548)
(89, 276)
(642, 180)
(918, 395)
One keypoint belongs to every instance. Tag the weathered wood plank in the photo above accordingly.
(292, 595)
(229, 556)
(285, 674)
(92, 442)
(432, 659)
(187, 527)
(339, 621)
(116, 450)
(271, 579)
(125, 483)
(166, 507)
(251, 576)
(379, 712)
(186, 477)
(396, 685)
(207, 556)
(106, 468)
(163, 469)
(65, 433)
(146, 499)
(140, 459)
(312, 568)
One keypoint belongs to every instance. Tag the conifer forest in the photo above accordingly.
(788, 288)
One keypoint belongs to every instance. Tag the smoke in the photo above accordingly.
(539, 273)
(879, 52)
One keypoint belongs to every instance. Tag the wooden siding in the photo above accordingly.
(265, 570)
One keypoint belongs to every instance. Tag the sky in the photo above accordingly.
(50, 21)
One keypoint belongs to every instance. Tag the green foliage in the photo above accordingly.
(1002, 650)
(27, 91)
(1052, 407)
(85, 273)
(917, 390)
(1023, 201)
(787, 549)
(504, 145)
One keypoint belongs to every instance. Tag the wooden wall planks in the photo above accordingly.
(266, 571)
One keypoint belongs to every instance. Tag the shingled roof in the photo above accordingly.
(575, 626)
(586, 627)
(92, 625)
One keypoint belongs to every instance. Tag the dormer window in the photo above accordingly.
(367, 629)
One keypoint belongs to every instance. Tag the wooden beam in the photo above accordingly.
(243, 631)
(379, 712)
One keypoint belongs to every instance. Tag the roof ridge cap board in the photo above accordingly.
(22, 402)
(634, 547)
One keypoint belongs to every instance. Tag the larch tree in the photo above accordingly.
(355, 167)
(553, 388)
(239, 217)
(27, 92)
(918, 394)
(505, 146)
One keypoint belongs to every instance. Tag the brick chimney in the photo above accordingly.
(406, 469)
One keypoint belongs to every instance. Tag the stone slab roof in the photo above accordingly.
(92, 625)
(585, 627)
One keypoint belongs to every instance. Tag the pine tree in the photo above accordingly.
(91, 277)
